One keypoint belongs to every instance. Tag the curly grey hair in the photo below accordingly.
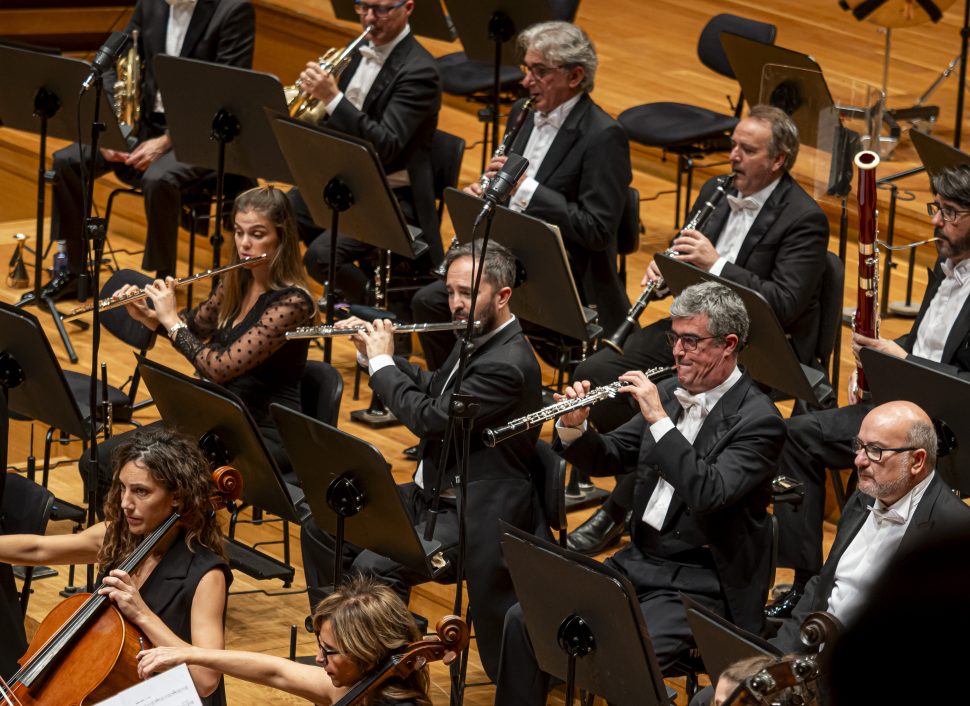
(562, 44)
(725, 310)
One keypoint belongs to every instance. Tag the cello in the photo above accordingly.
(85, 650)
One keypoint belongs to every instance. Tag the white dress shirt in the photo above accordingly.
(179, 17)
(544, 130)
(744, 211)
(943, 310)
(871, 549)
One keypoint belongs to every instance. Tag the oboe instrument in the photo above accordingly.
(497, 435)
(700, 219)
(109, 303)
(866, 319)
(330, 331)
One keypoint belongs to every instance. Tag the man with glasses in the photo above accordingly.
(390, 95)
(702, 449)
(940, 338)
(577, 179)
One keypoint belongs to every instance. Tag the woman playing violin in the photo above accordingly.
(357, 628)
(177, 596)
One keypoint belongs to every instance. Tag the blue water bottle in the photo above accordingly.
(60, 258)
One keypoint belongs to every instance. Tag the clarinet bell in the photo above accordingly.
(17, 277)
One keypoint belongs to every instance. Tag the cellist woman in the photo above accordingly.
(177, 596)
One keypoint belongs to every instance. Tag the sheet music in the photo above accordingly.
(171, 688)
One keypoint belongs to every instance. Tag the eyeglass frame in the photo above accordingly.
(543, 71)
(326, 651)
(672, 338)
(932, 208)
(361, 8)
(858, 445)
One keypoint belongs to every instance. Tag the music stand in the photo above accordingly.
(942, 396)
(595, 609)
(353, 496)
(343, 184)
(227, 434)
(39, 94)
(428, 18)
(721, 642)
(768, 357)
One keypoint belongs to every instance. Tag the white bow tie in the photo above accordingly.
(368, 52)
(887, 515)
(553, 120)
(688, 400)
(956, 272)
(181, 3)
(738, 203)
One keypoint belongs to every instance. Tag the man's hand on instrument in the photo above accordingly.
(318, 83)
(161, 659)
(693, 246)
(853, 388)
(652, 273)
(114, 155)
(639, 386)
(883, 345)
(162, 294)
(148, 151)
(474, 189)
(376, 339)
(353, 322)
(120, 588)
(577, 417)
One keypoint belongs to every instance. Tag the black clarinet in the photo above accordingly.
(700, 219)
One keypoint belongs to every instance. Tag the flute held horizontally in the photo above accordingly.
(497, 435)
(327, 331)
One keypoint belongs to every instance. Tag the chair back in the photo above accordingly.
(447, 151)
(26, 509)
(551, 486)
(830, 304)
(321, 388)
(709, 48)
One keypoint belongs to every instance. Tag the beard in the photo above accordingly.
(952, 248)
(486, 317)
(884, 489)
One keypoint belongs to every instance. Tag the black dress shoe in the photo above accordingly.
(63, 286)
(597, 534)
(412, 452)
(783, 607)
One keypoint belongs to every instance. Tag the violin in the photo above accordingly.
(85, 650)
(451, 635)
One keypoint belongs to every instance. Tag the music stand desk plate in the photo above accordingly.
(768, 357)
(473, 20)
(622, 668)
(320, 454)
(548, 297)
(935, 154)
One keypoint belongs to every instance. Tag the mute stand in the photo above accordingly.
(591, 634)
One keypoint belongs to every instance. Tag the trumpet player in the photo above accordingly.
(503, 374)
(768, 235)
(703, 449)
(390, 95)
(578, 174)
(219, 31)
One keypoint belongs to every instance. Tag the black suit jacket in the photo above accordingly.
(220, 31)
(399, 117)
(505, 377)
(939, 509)
(720, 487)
(583, 185)
(782, 257)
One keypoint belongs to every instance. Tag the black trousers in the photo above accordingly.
(658, 584)
(161, 183)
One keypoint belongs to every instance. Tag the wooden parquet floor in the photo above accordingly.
(648, 53)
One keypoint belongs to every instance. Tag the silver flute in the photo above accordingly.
(497, 435)
(329, 331)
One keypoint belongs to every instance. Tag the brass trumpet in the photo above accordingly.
(334, 61)
(109, 303)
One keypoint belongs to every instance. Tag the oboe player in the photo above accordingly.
(703, 450)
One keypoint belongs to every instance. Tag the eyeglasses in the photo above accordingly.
(362, 8)
(327, 652)
(874, 452)
(949, 214)
(688, 340)
(539, 71)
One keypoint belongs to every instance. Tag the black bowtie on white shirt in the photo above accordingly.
(943, 310)
(744, 212)
(179, 17)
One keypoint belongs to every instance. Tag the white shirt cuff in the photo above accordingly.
(718, 266)
(523, 195)
(378, 362)
(660, 427)
(332, 105)
(568, 435)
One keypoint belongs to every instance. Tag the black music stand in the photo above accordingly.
(353, 496)
(942, 396)
(227, 434)
(427, 20)
(721, 642)
(590, 632)
(39, 94)
(343, 184)
(206, 103)
(768, 357)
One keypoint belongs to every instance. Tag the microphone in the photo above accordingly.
(106, 56)
(500, 186)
